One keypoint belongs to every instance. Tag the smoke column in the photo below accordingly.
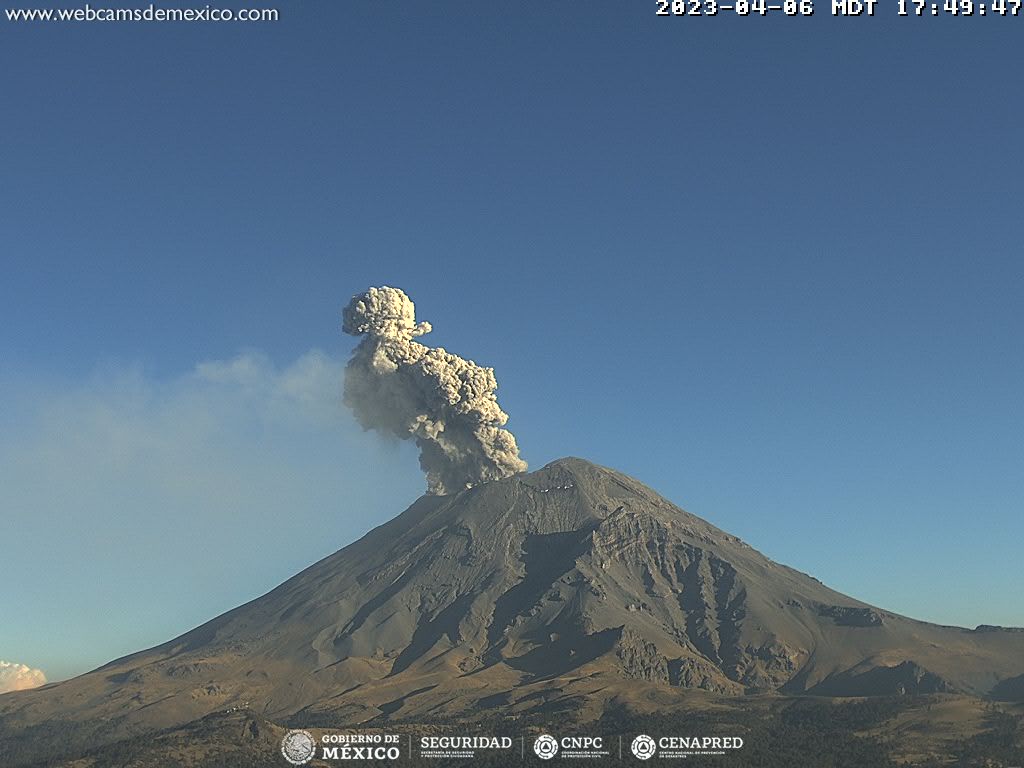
(448, 405)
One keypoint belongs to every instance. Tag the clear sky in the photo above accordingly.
(770, 266)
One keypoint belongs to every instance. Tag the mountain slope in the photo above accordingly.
(570, 586)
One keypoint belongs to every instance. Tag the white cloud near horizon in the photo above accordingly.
(138, 507)
(19, 677)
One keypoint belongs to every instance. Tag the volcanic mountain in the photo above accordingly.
(510, 596)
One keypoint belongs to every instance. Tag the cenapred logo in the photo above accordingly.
(545, 746)
(298, 747)
(643, 747)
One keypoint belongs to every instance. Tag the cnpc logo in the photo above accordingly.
(547, 747)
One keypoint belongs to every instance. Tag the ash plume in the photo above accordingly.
(402, 388)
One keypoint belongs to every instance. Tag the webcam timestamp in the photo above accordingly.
(839, 7)
(739, 7)
(959, 7)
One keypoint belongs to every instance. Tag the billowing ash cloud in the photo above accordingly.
(400, 387)
(19, 677)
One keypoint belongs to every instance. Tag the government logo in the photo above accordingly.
(545, 746)
(298, 747)
(643, 747)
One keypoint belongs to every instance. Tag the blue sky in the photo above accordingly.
(771, 267)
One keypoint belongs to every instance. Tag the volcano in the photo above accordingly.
(572, 581)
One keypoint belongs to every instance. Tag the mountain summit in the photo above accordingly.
(509, 594)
